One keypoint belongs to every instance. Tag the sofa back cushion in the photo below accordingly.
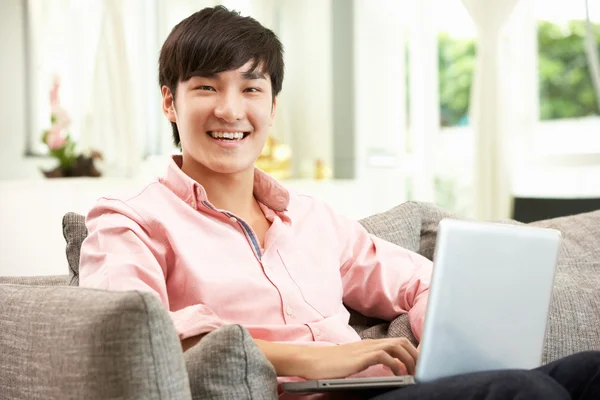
(574, 317)
(575, 309)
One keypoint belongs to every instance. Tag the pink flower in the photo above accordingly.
(61, 118)
(55, 140)
(54, 92)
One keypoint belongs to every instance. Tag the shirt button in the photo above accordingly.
(289, 311)
(317, 332)
(233, 219)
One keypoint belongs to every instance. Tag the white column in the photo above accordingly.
(490, 110)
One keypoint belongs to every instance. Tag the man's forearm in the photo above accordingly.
(287, 359)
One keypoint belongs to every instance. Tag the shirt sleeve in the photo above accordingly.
(381, 279)
(121, 253)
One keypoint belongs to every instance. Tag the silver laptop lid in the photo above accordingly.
(489, 299)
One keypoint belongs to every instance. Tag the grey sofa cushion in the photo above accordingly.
(47, 280)
(227, 364)
(74, 232)
(431, 215)
(574, 318)
(369, 328)
(74, 343)
(403, 228)
(574, 321)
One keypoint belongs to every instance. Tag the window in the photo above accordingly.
(456, 58)
(569, 120)
(566, 88)
(454, 145)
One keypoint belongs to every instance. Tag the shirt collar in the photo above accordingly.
(266, 189)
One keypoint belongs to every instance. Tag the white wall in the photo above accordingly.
(12, 78)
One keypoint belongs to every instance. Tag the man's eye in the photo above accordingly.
(252, 90)
(204, 87)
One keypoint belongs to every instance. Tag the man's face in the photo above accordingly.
(223, 120)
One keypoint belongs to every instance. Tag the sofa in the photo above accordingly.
(60, 341)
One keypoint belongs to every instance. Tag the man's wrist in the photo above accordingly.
(288, 359)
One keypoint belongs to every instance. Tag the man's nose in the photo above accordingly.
(229, 108)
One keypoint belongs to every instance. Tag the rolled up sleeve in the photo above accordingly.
(383, 280)
(121, 253)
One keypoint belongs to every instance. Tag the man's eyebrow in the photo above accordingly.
(253, 75)
(248, 75)
(203, 74)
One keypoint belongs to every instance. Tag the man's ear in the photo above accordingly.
(273, 107)
(168, 104)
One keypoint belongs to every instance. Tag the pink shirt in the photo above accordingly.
(206, 267)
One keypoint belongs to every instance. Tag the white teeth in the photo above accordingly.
(227, 135)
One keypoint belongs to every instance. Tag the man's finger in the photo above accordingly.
(402, 354)
(384, 358)
(411, 349)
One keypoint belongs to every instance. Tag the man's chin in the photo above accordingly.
(230, 169)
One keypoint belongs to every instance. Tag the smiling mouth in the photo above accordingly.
(228, 136)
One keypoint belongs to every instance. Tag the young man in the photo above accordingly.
(220, 242)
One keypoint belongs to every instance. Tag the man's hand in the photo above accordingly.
(344, 360)
(348, 359)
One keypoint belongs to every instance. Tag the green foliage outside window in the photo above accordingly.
(566, 88)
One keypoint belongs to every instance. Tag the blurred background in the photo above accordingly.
(488, 108)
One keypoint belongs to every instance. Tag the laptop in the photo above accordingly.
(488, 305)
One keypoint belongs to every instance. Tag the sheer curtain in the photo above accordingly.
(494, 97)
(111, 120)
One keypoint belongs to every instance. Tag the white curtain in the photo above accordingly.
(111, 123)
(490, 109)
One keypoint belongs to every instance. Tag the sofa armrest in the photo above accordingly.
(48, 280)
(66, 342)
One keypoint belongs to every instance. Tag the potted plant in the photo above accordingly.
(61, 146)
